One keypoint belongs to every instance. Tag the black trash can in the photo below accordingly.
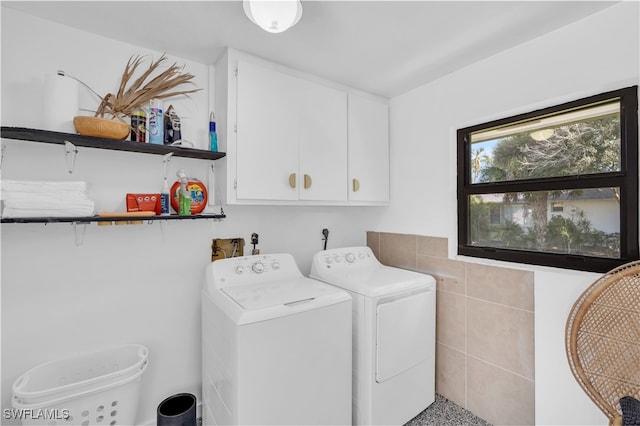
(177, 410)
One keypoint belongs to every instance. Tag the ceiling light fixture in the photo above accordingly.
(273, 16)
(541, 135)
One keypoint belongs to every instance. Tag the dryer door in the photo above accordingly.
(405, 333)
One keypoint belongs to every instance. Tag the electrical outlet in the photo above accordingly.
(222, 248)
(325, 237)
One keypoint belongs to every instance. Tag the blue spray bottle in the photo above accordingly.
(213, 137)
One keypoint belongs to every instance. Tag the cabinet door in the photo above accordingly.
(267, 134)
(368, 149)
(323, 143)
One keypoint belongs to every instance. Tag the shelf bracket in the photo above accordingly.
(78, 229)
(163, 230)
(166, 160)
(70, 153)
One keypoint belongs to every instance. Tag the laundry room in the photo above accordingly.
(379, 174)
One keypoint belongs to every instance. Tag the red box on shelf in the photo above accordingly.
(143, 203)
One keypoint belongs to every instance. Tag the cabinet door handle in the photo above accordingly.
(356, 185)
(307, 181)
(292, 180)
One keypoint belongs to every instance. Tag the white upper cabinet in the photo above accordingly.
(368, 149)
(291, 137)
(267, 133)
(286, 135)
(323, 143)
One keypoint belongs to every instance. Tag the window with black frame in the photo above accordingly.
(555, 187)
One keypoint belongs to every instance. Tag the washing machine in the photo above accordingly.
(276, 345)
(393, 334)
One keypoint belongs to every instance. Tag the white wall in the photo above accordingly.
(591, 56)
(124, 283)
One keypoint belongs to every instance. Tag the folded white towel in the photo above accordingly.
(30, 186)
(49, 205)
(9, 212)
(63, 196)
(34, 208)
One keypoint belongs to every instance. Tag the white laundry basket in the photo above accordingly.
(99, 399)
(82, 372)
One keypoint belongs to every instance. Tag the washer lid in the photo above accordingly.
(384, 280)
(263, 295)
(376, 280)
(356, 269)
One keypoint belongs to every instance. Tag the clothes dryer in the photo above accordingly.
(393, 334)
(276, 345)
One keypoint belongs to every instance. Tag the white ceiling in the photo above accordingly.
(383, 47)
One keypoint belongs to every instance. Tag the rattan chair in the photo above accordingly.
(603, 339)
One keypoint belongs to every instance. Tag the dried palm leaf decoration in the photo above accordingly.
(133, 95)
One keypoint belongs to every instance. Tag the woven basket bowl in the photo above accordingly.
(101, 127)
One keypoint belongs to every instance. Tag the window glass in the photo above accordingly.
(589, 225)
(556, 186)
(572, 143)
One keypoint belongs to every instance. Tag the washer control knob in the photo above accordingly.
(275, 266)
(361, 255)
(257, 267)
(239, 269)
(337, 258)
(328, 260)
(350, 257)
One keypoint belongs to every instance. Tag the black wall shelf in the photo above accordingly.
(46, 136)
(90, 219)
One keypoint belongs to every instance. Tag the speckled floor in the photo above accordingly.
(446, 413)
